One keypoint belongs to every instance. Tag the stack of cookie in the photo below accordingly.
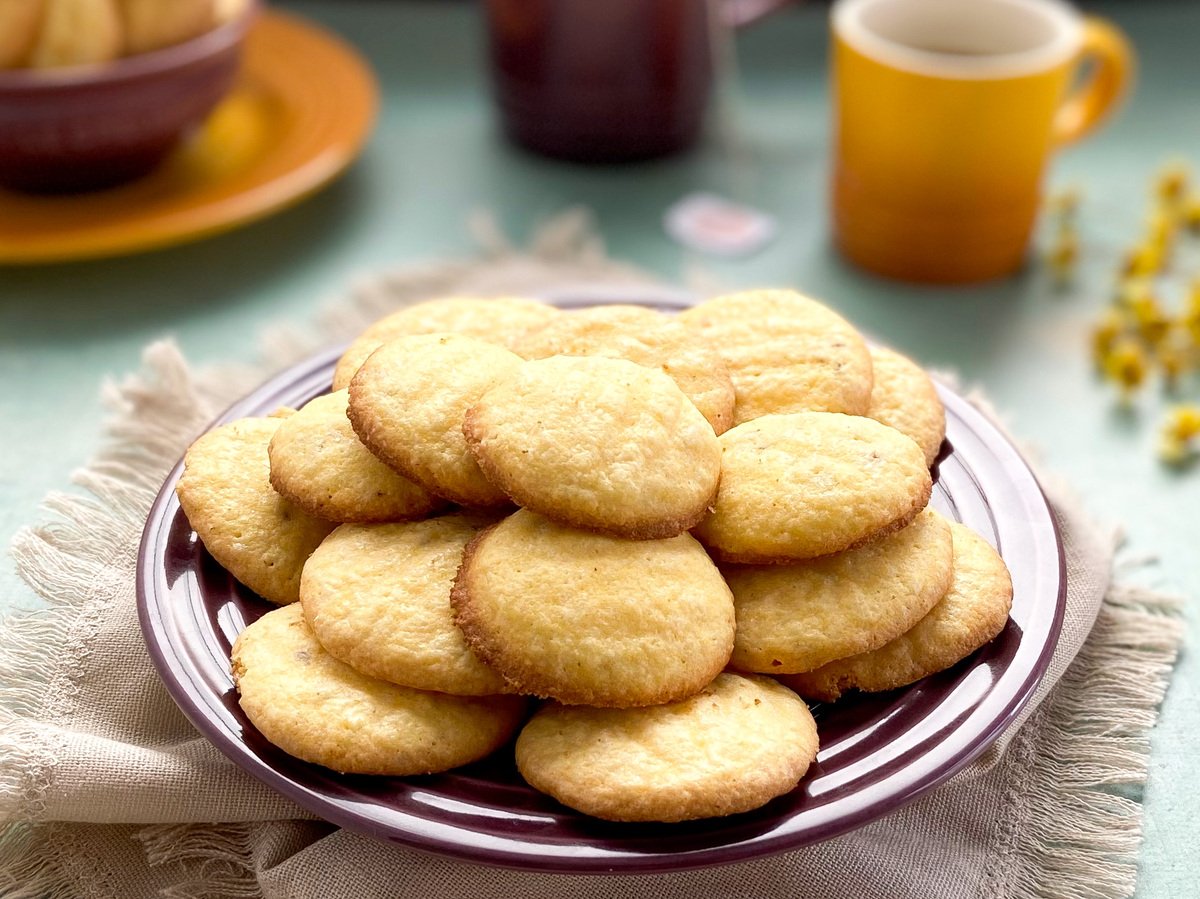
(631, 517)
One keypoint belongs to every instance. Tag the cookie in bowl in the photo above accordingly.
(76, 114)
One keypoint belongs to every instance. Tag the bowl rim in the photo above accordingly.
(204, 46)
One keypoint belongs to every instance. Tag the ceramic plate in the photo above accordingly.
(299, 113)
(877, 753)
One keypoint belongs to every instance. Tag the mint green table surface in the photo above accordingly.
(435, 157)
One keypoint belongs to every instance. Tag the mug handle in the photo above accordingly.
(737, 13)
(1090, 103)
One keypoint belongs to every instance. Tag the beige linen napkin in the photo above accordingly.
(107, 791)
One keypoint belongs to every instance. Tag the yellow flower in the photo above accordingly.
(1179, 433)
(1111, 326)
(1152, 323)
(1161, 227)
(1189, 213)
(1143, 261)
(1063, 255)
(1130, 289)
(1175, 355)
(1126, 365)
(1172, 181)
(1189, 318)
(1183, 422)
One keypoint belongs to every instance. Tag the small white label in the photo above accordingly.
(721, 227)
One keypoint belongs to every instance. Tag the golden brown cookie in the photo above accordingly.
(799, 616)
(972, 613)
(76, 33)
(152, 24)
(225, 491)
(904, 398)
(811, 483)
(319, 463)
(731, 748)
(597, 443)
(320, 710)
(590, 619)
(648, 338)
(786, 353)
(20, 21)
(407, 404)
(377, 596)
(498, 320)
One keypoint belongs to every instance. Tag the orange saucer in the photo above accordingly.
(299, 113)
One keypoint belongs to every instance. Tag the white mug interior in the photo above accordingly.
(961, 38)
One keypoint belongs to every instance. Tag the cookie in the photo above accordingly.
(377, 596)
(76, 33)
(597, 443)
(407, 404)
(255, 534)
(590, 619)
(731, 748)
(319, 463)
(498, 320)
(904, 398)
(318, 709)
(972, 613)
(797, 617)
(786, 353)
(151, 24)
(20, 21)
(648, 338)
(809, 484)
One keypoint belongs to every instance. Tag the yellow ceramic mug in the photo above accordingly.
(945, 114)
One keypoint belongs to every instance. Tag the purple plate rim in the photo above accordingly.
(313, 369)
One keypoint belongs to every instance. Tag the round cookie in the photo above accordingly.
(904, 398)
(254, 533)
(320, 710)
(799, 616)
(648, 338)
(731, 748)
(377, 596)
(589, 619)
(786, 353)
(598, 443)
(972, 613)
(811, 483)
(407, 404)
(319, 463)
(498, 320)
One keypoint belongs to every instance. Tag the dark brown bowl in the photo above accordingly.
(86, 127)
